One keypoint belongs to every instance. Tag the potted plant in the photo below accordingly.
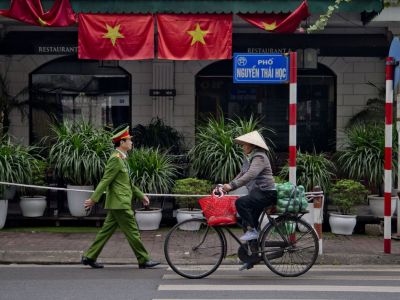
(78, 155)
(158, 135)
(313, 169)
(215, 156)
(32, 203)
(362, 158)
(189, 206)
(345, 194)
(152, 171)
(16, 164)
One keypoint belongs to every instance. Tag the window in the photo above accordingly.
(316, 111)
(75, 90)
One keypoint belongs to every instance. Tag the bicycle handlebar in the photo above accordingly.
(218, 191)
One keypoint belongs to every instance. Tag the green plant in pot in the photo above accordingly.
(313, 169)
(362, 158)
(345, 195)
(152, 171)
(216, 156)
(78, 155)
(16, 165)
(33, 202)
(158, 135)
(191, 186)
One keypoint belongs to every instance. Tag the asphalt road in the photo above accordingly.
(19, 282)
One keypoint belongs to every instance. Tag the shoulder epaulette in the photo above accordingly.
(119, 155)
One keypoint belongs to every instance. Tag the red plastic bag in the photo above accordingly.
(219, 210)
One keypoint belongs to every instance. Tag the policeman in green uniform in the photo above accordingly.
(119, 192)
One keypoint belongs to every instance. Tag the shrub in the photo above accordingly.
(346, 193)
(191, 186)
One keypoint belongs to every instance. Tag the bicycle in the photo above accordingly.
(287, 244)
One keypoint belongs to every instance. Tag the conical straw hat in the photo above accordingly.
(253, 138)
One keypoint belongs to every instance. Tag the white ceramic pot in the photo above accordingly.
(148, 219)
(33, 206)
(376, 205)
(183, 214)
(76, 199)
(342, 224)
(3, 212)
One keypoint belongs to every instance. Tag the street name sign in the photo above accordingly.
(260, 68)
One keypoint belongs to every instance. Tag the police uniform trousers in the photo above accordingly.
(125, 220)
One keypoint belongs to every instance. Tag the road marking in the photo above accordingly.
(302, 278)
(286, 288)
(231, 299)
(318, 268)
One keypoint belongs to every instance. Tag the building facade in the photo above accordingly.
(335, 68)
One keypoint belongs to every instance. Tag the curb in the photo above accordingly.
(74, 257)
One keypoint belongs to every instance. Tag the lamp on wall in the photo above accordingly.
(307, 58)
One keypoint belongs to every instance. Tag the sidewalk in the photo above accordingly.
(67, 248)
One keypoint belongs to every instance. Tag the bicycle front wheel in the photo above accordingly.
(290, 246)
(194, 249)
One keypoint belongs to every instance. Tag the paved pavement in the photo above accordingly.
(67, 248)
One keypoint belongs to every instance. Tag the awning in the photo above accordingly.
(206, 6)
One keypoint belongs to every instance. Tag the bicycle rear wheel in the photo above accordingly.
(196, 252)
(286, 250)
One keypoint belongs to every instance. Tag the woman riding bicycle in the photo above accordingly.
(256, 175)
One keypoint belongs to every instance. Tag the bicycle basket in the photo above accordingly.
(219, 210)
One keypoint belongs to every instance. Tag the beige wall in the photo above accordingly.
(352, 90)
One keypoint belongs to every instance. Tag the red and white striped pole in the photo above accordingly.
(388, 155)
(292, 116)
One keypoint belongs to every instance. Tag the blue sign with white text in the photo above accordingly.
(264, 68)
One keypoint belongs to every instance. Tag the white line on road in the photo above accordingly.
(286, 288)
(318, 268)
(302, 278)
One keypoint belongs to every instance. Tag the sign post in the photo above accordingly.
(394, 52)
(273, 69)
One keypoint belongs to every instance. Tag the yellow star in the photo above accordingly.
(42, 22)
(197, 35)
(269, 27)
(113, 34)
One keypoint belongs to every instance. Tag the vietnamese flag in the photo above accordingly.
(279, 23)
(115, 36)
(31, 12)
(194, 36)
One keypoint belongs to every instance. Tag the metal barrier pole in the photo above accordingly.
(318, 215)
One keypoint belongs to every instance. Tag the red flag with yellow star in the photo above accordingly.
(31, 12)
(194, 37)
(115, 37)
(279, 23)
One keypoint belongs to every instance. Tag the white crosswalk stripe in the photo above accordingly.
(337, 281)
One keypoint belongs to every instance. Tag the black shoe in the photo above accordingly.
(88, 261)
(148, 264)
